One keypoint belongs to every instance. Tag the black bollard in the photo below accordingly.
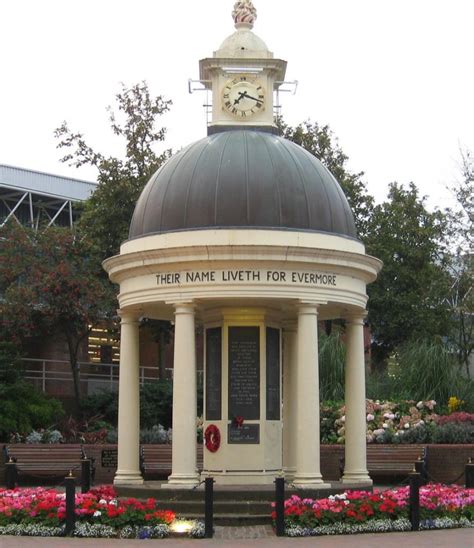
(209, 508)
(280, 506)
(70, 483)
(414, 508)
(469, 473)
(421, 469)
(85, 475)
(11, 474)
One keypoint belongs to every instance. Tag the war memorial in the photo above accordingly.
(249, 237)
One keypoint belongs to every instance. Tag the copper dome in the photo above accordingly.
(242, 179)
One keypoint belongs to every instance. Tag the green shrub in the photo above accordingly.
(23, 408)
(156, 404)
(453, 432)
(422, 433)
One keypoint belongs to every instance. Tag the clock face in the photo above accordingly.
(243, 97)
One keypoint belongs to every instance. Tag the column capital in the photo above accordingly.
(128, 316)
(185, 307)
(308, 308)
(356, 317)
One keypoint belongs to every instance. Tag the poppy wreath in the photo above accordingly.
(212, 437)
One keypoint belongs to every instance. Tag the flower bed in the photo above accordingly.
(400, 422)
(441, 507)
(99, 513)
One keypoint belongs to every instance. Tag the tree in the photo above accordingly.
(321, 142)
(461, 264)
(50, 286)
(107, 214)
(407, 299)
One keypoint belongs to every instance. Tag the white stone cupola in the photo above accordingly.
(243, 76)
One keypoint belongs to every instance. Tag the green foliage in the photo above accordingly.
(156, 403)
(427, 370)
(380, 385)
(422, 433)
(461, 264)
(23, 408)
(107, 214)
(321, 142)
(407, 300)
(50, 286)
(331, 367)
(452, 432)
(104, 404)
(10, 364)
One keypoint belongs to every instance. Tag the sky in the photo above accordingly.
(394, 79)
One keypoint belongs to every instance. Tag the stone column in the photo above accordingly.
(289, 398)
(128, 466)
(308, 474)
(184, 465)
(355, 470)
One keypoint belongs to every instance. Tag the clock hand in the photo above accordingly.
(253, 98)
(242, 95)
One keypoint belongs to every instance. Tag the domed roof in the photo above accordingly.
(243, 43)
(242, 179)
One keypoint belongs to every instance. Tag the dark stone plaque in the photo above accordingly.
(213, 373)
(108, 458)
(247, 433)
(273, 374)
(244, 372)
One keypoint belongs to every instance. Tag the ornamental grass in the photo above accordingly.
(441, 506)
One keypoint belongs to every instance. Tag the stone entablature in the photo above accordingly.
(270, 266)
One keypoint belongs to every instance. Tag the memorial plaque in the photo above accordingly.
(273, 374)
(247, 433)
(108, 458)
(244, 372)
(213, 373)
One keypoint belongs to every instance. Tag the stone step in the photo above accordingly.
(228, 508)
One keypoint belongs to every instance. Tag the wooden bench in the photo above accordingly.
(156, 459)
(51, 460)
(393, 459)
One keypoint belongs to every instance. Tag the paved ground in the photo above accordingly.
(262, 537)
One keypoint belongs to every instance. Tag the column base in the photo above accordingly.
(309, 481)
(128, 478)
(289, 472)
(181, 481)
(357, 477)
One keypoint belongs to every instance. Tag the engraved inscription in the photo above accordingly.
(244, 372)
(273, 374)
(213, 373)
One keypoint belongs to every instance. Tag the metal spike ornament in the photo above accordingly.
(244, 14)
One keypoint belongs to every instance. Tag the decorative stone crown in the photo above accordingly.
(244, 14)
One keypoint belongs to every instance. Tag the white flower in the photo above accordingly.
(419, 405)
(384, 425)
(406, 425)
(97, 513)
(370, 417)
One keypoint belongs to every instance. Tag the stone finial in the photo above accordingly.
(244, 14)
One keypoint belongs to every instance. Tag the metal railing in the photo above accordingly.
(94, 375)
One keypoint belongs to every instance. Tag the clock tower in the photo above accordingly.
(242, 76)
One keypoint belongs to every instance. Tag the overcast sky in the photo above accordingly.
(392, 78)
